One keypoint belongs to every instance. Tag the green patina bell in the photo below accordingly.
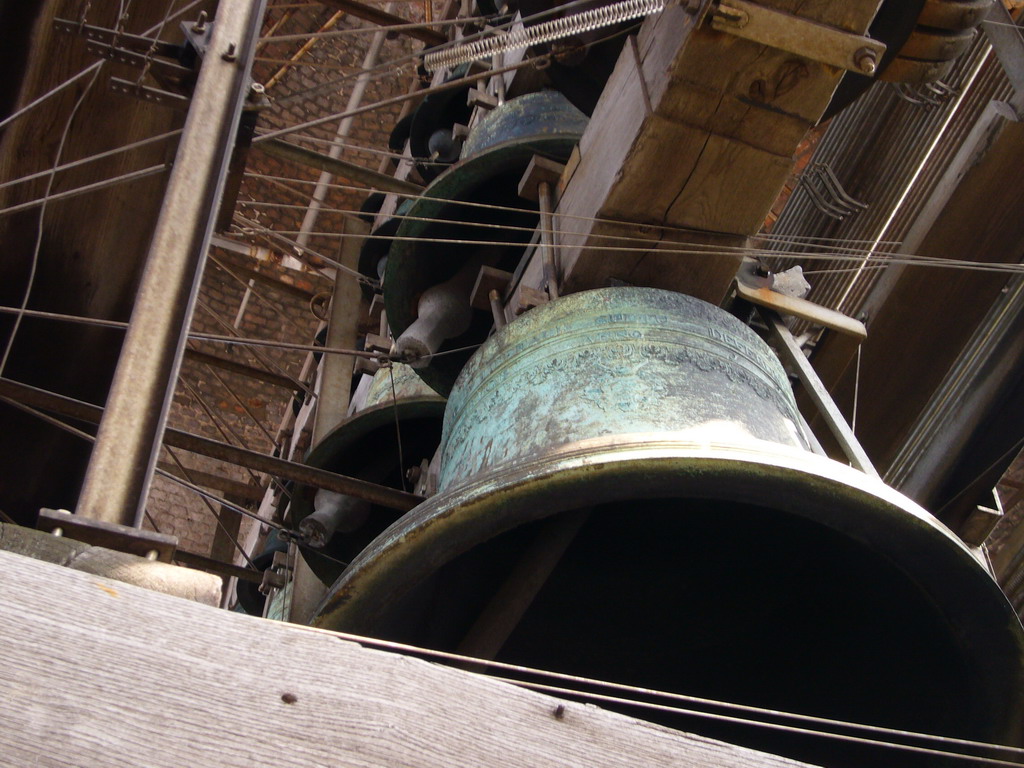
(365, 446)
(625, 495)
(451, 229)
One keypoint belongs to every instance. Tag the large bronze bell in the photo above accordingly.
(366, 445)
(470, 216)
(625, 495)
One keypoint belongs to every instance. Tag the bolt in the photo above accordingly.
(229, 54)
(866, 61)
(289, 698)
(200, 26)
(559, 712)
(57, 532)
(152, 554)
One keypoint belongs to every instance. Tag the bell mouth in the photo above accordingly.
(752, 574)
(345, 450)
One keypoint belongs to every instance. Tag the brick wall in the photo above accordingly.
(239, 409)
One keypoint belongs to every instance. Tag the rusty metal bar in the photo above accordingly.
(338, 167)
(268, 377)
(243, 457)
(791, 353)
(218, 567)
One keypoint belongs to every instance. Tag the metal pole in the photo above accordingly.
(121, 467)
(344, 128)
(547, 239)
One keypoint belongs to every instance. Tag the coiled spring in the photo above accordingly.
(556, 29)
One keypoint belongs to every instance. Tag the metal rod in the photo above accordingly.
(267, 377)
(124, 457)
(208, 564)
(547, 240)
(792, 354)
(497, 309)
(331, 163)
(243, 457)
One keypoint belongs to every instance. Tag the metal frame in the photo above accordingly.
(124, 458)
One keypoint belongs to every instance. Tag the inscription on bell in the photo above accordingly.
(614, 361)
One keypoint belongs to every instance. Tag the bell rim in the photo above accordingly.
(324, 455)
(450, 523)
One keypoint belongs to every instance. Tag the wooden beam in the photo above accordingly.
(695, 130)
(385, 19)
(101, 673)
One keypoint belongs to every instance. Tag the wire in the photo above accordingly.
(216, 517)
(384, 152)
(719, 251)
(398, 429)
(203, 336)
(514, 228)
(92, 158)
(304, 249)
(766, 237)
(224, 429)
(94, 187)
(371, 29)
(234, 334)
(856, 392)
(469, 661)
(34, 262)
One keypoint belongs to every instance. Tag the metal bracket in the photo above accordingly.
(152, 95)
(827, 193)
(814, 41)
(123, 538)
(763, 296)
(791, 353)
(123, 40)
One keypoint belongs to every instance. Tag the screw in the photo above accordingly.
(289, 698)
(229, 54)
(559, 712)
(865, 61)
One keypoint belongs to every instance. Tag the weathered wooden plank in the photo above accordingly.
(695, 129)
(131, 677)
